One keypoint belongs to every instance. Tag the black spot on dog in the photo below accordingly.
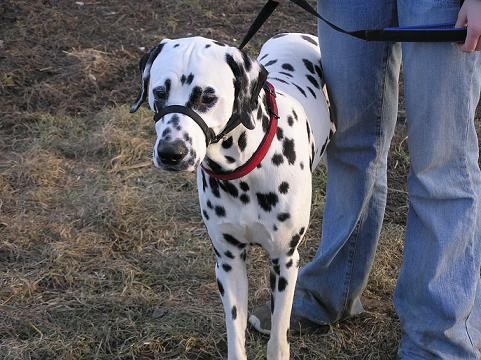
(242, 141)
(247, 61)
(275, 227)
(301, 90)
(187, 138)
(229, 188)
(312, 92)
(279, 35)
(205, 214)
(219, 43)
(244, 186)
(287, 67)
(308, 39)
(214, 187)
(301, 164)
(166, 132)
(213, 165)
(227, 143)
(301, 231)
(272, 280)
(267, 201)
(269, 63)
(313, 81)
(281, 285)
(194, 97)
(182, 79)
(219, 211)
(283, 216)
(280, 133)
(319, 71)
(290, 120)
(229, 159)
(207, 46)
(309, 65)
(243, 255)
(295, 114)
(324, 146)
(308, 131)
(259, 113)
(288, 150)
(233, 241)
(289, 263)
(280, 80)
(277, 269)
(272, 303)
(312, 156)
(275, 261)
(265, 123)
(226, 267)
(229, 254)
(294, 241)
(244, 198)
(209, 204)
(174, 120)
(286, 74)
(284, 187)
(176, 45)
(221, 288)
(263, 57)
(277, 159)
(204, 181)
(234, 312)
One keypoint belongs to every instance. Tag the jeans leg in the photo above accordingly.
(362, 79)
(438, 292)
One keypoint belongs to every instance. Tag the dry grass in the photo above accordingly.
(102, 257)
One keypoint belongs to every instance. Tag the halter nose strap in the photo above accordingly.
(208, 132)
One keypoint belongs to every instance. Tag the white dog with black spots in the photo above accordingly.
(270, 206)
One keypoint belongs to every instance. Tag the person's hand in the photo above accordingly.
(470, 16)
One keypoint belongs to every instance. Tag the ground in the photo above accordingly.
(101, 256)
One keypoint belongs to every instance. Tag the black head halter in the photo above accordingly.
(210, 136)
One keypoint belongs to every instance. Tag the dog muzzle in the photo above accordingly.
(210, 136)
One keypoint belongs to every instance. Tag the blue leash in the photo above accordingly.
(423, 33)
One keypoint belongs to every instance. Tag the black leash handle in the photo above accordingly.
(430, 33)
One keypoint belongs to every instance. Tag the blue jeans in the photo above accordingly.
(438, 293)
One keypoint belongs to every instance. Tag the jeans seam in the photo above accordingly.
(469, 186)
(354, 238)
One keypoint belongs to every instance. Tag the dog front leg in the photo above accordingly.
(232, 281)
(283, 281)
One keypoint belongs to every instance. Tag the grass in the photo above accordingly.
(103, 257)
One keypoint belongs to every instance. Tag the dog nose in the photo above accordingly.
(171, 153)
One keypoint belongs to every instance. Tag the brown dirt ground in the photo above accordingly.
(100, 256)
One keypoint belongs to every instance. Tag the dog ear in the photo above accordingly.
(145, 64)
(249, 78)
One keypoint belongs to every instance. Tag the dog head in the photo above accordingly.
(219, 83)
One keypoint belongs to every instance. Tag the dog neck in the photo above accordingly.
(238, 146)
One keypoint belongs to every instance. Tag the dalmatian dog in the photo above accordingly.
(217, 116)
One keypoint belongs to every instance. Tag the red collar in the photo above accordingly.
(264, 146)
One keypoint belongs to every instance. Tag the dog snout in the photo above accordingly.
(172, 153)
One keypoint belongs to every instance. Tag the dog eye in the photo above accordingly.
(159, 92)
(208, 96)
(209, 99)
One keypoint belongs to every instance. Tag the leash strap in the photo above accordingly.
(429, 33)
